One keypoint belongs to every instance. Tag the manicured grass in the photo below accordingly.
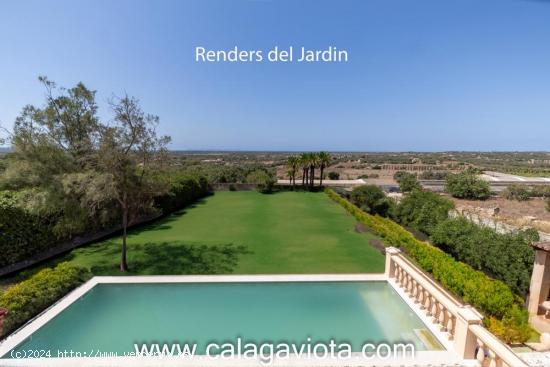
(243, 233)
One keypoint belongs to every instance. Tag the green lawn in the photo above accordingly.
(243, 233)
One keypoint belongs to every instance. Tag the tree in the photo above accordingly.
(133, 158)
(51, 144)
(423, 210)
(263, 179)
(371, 199)
(304, 163)
(407, 181)
(467, 185)
(292, 164)
(333, 176)
(313, 162)
(324, 161)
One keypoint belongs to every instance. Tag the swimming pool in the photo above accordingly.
(110, 315)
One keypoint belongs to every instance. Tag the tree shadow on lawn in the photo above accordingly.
(166, 221)
(172, 258)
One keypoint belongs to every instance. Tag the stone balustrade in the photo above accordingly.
(461, 323)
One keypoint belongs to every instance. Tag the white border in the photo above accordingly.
(447, 356)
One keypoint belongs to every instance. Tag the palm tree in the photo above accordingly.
(312, 164)
(292, 164)
(324, 161)
(304, 163)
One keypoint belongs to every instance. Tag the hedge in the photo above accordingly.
(184, 190)
(24, 234)
(492, 297)
(503, 256)
(30, 297)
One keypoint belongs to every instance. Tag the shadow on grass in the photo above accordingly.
(172, 258)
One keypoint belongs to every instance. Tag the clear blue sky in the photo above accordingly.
(422, 74)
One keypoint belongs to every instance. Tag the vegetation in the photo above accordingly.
(372, 199)
(308, 162)
(30, 297)
(516, 192)
(467, 185)
(434, 175)
(262, 179)
(508, 257)
(74, 174)
(333, 175)
(493, 297)
(243, 232)
(407, 181)
(423, 210)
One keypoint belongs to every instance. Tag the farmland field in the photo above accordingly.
(243, 233)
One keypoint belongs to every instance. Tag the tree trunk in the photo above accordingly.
(303, 176)
(321, 178)
(123, 263)
(312, 178)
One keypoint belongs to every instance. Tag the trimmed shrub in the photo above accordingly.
(467, 185)
(184, 190)
(490, 296)
(30, 297)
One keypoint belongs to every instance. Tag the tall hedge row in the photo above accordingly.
(24, 234)
(492, 297)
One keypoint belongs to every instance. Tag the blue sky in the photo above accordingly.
(422, 75)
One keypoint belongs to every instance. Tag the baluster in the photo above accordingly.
(419, 295)
(398, 273)
(494, 360)
(436, 311)
(443, 318)
(409, 285)
(451, 325)
(480, 355)
(428, 304)
(414, 290)
(405, 281)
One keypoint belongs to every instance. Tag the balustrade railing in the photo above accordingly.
(461, 323)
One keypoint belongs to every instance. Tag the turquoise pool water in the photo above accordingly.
(112, 317)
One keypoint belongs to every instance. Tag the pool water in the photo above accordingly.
(112, 317)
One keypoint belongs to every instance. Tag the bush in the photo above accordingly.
(434, 175)
(517, 192)
(263, 180)
(333, 176)
(30, 297)
(407, 181)
(490, 296)
(423, 210)
(507, 257)
(467, 185)
(371, 199)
